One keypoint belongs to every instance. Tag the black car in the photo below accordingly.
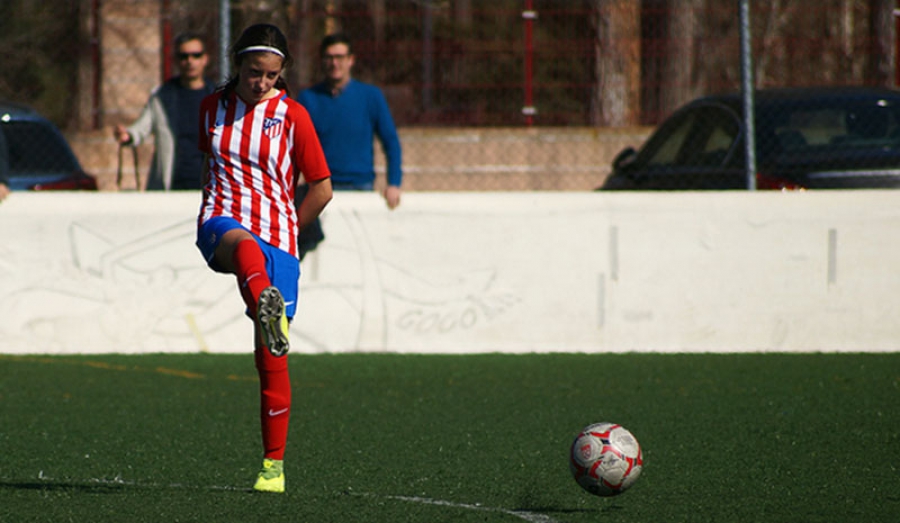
(806, 138)
(34, 155)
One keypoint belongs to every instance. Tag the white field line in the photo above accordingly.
(531, 517)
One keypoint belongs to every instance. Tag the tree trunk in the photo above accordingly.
(378, 10)
(332, 23)
(678, 66)
(304, 42)
(882, 52)
(615, 100)
(462, 20)
(87, 111)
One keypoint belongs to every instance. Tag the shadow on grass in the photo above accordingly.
(105, 486)
(533, 500)
(565, 510)
(97, 488)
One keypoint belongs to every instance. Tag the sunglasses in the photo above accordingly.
(195, 56)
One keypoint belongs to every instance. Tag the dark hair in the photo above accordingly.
(188, 36)
(335, 38)
(257, 35)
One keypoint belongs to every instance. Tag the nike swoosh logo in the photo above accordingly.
(277, 412)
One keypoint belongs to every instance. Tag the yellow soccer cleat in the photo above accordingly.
(271, 476)
(273, 322)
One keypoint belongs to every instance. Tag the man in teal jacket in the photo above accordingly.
(172, 118)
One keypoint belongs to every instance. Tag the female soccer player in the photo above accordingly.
(258, 142)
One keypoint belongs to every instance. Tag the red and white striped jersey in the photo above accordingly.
(256, 155)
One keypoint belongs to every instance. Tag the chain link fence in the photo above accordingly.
(501, 95)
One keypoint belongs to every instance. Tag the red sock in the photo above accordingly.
(275, 401)
(274, 380)
(250, 267)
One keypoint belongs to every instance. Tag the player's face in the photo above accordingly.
(257, 76)
(337, 62)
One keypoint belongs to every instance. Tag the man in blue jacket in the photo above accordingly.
(347, 114)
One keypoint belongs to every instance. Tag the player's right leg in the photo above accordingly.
(277, 304)
(270, 477)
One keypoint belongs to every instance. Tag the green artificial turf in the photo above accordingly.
(389, 438)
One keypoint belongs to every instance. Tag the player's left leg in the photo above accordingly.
(276, 305)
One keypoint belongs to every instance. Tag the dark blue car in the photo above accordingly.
(806, 138)
(34, 155)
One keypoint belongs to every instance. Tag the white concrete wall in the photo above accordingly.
(470, 272)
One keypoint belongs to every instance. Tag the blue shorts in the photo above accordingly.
(282, 267)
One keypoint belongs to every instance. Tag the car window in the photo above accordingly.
(720, 139)
(668, 141)
(867, 126)
(700, 137)
(34, 149)
(840, 124)
(800, 127)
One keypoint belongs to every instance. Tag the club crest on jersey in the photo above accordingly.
(272, 127)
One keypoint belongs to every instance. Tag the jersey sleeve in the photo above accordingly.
(308, 156)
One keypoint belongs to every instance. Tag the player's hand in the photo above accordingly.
(392, 196)
(4, 191)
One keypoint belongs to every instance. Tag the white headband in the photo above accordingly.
(266, 48)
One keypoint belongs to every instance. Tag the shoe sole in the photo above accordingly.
(269, 314)
(270, 486)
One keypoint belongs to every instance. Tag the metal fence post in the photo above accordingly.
(224, 39)
(747, 90)
(528, 108)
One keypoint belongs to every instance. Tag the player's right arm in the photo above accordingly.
(204, 174)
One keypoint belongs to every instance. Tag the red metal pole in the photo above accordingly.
(166, 35)
(528, 109)
(896, 14)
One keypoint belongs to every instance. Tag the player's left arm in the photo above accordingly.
(317, 197)
(309, 162)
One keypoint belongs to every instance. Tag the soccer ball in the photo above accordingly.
(605, 459)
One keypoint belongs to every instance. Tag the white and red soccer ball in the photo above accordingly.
(605, 459)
